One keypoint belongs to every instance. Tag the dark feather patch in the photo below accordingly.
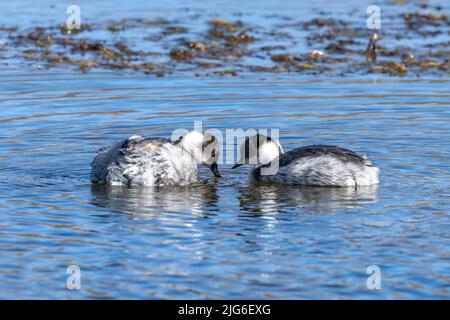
(206, 143)
(345, 155)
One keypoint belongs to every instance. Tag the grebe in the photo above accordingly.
(315, 165)
(139, 161)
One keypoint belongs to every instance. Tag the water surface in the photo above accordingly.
(221, 238)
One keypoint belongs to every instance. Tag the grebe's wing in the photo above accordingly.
(345, 155)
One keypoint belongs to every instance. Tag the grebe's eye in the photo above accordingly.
(213, 153)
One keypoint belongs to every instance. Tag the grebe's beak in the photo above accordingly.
(237, 165)
(215, 170)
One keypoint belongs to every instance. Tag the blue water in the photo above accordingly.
(222, 238)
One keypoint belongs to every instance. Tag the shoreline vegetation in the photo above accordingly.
(227, 48)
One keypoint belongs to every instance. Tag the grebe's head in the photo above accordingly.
(204, 147)
(259, 150)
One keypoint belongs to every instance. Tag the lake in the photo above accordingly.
(223, 238)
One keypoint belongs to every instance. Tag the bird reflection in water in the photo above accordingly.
(198, 199)
(261, 199)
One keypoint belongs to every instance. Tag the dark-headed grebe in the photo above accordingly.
(315, 165)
